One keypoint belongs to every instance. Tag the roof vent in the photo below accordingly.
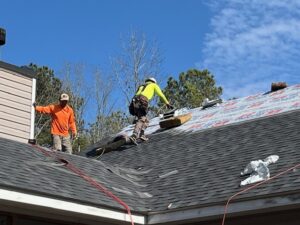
(277, 86)
(174, 113)
(168, 114)
(209, 103)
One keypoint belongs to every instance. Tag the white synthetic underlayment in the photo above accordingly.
(234, 111)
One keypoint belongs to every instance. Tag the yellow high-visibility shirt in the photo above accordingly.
(150, 90)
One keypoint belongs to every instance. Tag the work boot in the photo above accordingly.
(132, 138)
(144, 138)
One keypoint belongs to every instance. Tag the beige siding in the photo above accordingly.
(14, 125)
(6, 110)
(13, 84)
(15, 105)
(12, 137)
(14, 118)
(14, 91)
(14, 132)
(17, 78)
(24, 101)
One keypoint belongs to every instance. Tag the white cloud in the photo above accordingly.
(253, 43)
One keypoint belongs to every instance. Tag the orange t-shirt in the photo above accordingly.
(62, 119)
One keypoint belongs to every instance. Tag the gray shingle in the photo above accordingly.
(208, 163)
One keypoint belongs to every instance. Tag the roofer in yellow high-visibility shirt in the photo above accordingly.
(139, 107)
(62, 121)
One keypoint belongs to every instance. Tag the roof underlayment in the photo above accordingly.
(177, 176)
(234, 111)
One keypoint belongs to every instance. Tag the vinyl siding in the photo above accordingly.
(15, 105)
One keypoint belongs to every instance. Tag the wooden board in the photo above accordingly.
(112, 145)
(175, 121)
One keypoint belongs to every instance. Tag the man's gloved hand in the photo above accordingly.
(34, 104)
(170, 106)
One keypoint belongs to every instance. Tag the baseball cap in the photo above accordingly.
(64, 97)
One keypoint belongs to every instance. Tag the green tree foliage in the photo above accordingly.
(48, 90)
(81, 142)
(192, 88)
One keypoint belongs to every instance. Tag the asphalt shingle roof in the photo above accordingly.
(206, 165)
(27, 169)
(178, 168)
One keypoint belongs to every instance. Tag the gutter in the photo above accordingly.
(34, 205)
(216, 212)
(48, 207)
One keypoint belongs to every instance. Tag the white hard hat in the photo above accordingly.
(151, 79)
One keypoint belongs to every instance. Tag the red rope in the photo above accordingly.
(87, 178)
(254, 186)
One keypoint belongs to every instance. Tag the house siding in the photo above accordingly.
(15, 105)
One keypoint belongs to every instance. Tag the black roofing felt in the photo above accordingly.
(21, 70)
(188, 169)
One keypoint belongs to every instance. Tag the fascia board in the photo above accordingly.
(235, 209)
(50, 205)
(19, 70)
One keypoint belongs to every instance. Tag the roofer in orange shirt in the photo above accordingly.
(62, 121)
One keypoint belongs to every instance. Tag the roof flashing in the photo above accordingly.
(278, 86)
(168, 174)
(210, 103)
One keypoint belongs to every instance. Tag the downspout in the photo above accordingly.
(32, 114)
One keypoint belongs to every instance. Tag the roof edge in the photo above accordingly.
(56, 206)
(235, 209)
(25, 71)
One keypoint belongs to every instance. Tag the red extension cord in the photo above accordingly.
(94, 183)
(86, 177)
(254, 186)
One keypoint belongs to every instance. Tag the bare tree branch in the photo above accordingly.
(75, 84)
(139, 58)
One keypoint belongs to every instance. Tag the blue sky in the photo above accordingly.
(245, 44)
